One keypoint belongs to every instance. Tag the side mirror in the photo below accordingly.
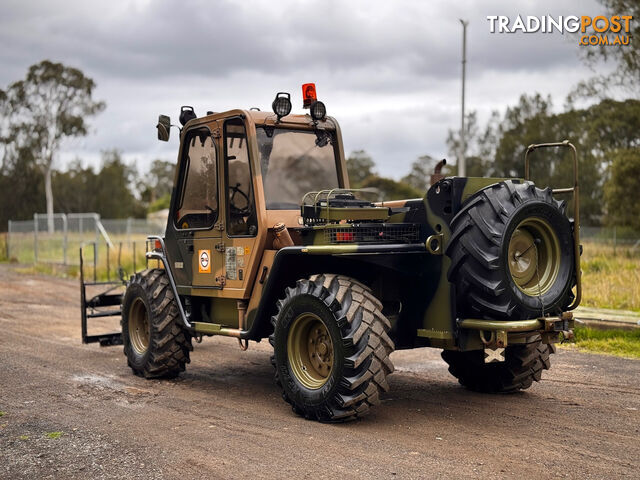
(164, 127)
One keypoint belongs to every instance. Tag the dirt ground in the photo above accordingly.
(224, 418)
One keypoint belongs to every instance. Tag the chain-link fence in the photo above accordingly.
(59, 241)
(31, 241)
(616, 238)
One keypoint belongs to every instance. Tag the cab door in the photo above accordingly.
(197, 211)
(241, 216)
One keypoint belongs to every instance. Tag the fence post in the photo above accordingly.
(35, 238)
(615, 241)
(95, 262)
(96, 219)
(65, 230)
(9, 241)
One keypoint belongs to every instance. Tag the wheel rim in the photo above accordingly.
(534, 256)
(310, 351)
(139, 326)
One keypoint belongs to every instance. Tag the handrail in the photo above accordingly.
(162, 257)
(576, 207)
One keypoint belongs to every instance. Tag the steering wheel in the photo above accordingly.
(233, 208)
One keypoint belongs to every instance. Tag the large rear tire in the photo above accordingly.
(331, 348)
(511, 251)
(155, 343)
(522, 366)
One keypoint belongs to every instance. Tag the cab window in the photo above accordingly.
(294, 162)
(198, 206)
(241, 211)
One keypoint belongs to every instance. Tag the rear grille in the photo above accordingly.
(377, 233)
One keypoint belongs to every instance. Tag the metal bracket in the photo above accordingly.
(219, 226)
(221, 280)
(220, 247)
(216, 133)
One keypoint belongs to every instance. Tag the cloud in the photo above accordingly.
(389, 71)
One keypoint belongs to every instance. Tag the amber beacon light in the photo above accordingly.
(309, 94)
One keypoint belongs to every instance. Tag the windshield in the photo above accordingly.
(294, 162)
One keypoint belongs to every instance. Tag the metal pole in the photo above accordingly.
(35, 238)
(65, 229)
(9, 241)
(462, 168)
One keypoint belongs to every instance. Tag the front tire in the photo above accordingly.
(331, 348)
(155, 343)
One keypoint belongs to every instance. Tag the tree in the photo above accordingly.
(113, 192)
(480, 146)
(389, 189)
(49, 105)
(156, 184)
(621, 191)
(419, 177)
(625, 57)
(74, 189)
(497, 149)
(360, 165)
(21, 189)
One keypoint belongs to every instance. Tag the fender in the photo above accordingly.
(366, 263)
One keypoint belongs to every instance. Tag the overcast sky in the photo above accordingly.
(389, 71)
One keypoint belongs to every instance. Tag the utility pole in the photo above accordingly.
(462, 168)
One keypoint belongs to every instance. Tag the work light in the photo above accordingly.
(318, 110)
(282, 104)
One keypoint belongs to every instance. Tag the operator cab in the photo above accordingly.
(239, 174)
(296, 153)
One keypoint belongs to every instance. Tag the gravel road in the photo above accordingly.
(224, 418)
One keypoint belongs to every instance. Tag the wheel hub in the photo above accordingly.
(534, 256)
(139, 326)
(310, 351)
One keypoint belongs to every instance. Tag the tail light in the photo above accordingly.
(344, 237)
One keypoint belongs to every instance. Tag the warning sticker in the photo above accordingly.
(231, 264)
(204, 261)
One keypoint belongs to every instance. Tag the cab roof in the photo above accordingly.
(259, 117)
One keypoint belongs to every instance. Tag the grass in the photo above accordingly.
(2, 414)
(3, 247)
(53, 435)
(622, 343)
(107, 259)
(610, 280)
